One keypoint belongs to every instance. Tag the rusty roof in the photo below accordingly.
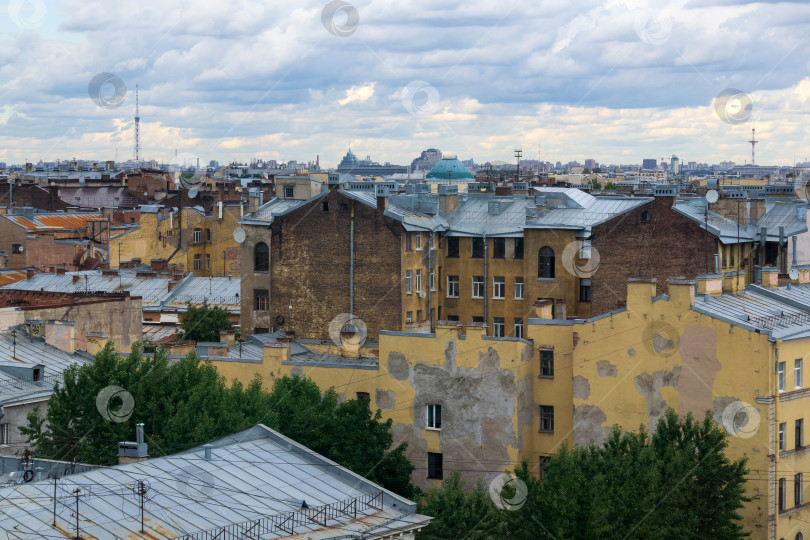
(54, 220)
(12, 275)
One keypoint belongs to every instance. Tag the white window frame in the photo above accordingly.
(408, 281)
(518, 327)
(418, 241)
(419, 280)
(780, 375)
(478, 287)
(197, 262)
(518, 288)
(498, 287)
(208, 262)
(4, 429)
(430, 420)
(782, 442)
(432, 279)
(797, 373)
(499, 327)
(408, 316)
(197, 235)
(452, 286)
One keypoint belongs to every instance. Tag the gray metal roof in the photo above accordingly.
(254, 486)
(779, 213)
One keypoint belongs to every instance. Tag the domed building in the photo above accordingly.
(450, 169)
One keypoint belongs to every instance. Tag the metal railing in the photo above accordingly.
(46, 382)
(288, 521)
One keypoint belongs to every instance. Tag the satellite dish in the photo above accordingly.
(21, 249)
(794, 273)
(239, 235)
(712, 196)
(192, 193)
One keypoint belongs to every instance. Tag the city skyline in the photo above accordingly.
(300, 80)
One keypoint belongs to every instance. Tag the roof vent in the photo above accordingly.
(494, 208)
(207, 448)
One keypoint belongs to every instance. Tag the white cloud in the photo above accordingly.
(358, 94)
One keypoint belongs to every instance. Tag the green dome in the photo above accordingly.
(450, 168)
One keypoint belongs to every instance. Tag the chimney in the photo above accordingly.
(382, 203)
(76, 278)
(276, 352)
(560, 309)
(207, 451)
(130, 452)
(172, 284)
(640, 291)
(770, 277)
(158, 265)
(681, 292)
(448, 198)
(543, 309)
(757, 209)
(711, 284)
(30, 273)
(228, 337)
(61, 271)
(60, 334)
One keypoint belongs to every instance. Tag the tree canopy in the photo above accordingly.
(677, 483)
(99, 404)
(204, 322)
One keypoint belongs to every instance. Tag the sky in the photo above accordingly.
(616, 81)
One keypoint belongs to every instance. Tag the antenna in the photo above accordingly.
(753, 142)
(137, 132)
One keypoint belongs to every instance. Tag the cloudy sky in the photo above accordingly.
(235, 79)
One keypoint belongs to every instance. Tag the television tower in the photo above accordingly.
(137, 132)
(753, 142)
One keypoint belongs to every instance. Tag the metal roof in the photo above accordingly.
(11, 275)
(779, 213)
(53, 220)
(257, 484)
(220, 291)
(98, 197)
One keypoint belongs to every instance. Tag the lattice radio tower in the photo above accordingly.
(753, 142)
(137, 132)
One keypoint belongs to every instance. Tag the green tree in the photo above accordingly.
(459, 514)
(610, 186)
(596, 184)
(204, 322)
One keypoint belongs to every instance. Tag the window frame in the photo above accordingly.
(498, 327)
(289, 192)
(261, 266)
(518, 327)
(435, 472)
(546, 419)
(519, 287)
(499, 248)
(408, 281)
(546, 261)
(782, 440)
(498, 282)
(408, 316)
(208, 262)
(780, 376)
(478, 285)
(782, 494)
(408, 242)
(453, 247)
(261, 297)
(519, 252)
(451, 281)
(584, 290)
(432, 279)
(546, 363)
(798, 492)
(797, 373)
(4, 433)
(798, 434)
(477, 247)
(197, 261)
(196, 237)
(418, 241)
(430, 419)
(208, 235)
(418, 280)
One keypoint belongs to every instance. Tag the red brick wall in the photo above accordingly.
(669, 245)
(310, 261)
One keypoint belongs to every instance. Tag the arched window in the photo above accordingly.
(261, 258)
(545, 263)
(799, 536)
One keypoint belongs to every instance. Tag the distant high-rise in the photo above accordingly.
(426, 160)
(649, 164)
(675, 164)
(591, 163)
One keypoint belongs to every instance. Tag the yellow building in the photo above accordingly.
(188, 239)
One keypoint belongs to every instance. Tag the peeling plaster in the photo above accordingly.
(582, 390)
(398, 367)
(698, 352)
(606, 369)
(386, 399)
(588, 420)
(525, 405)
(297, 370)
(631, 352)
(527, 354)
(647, 385)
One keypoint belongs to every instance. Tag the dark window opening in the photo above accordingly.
(435, 469)
(799, 433)
(547, 418)
(584, 290)
(260, 330)
(499, 248)
(478, 248)
(545, 263)
(261, 258)
(344, 207)
(325, 206)
(546, 363)
(452, 246)
(646, 217)
(518, 248)
(363, 396)
(37, 375)
(452, 318)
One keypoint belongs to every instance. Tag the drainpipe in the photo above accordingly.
(486, 278)
(431, 242)
(794, 250)
(351, 263)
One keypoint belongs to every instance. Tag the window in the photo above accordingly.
(799, 536)
(782, 493)
(453, 318)
(780, 370)
(16, 248)
(419, 280)
(418, 314)
(408, 316)
(518, 288)
(518, 327)
(543, 465)
(435, 466)
(646, 217)
(498, 287)
(261, 258)
(584, 250)
(452, 246)
(797, 373)
(499, 248)
(432, 279)
(261, 299)
(418, 240)
(782, 434)
(363, 395)
(498, 326)
(797, 489)
(289, 192)
(409, 281)
(545, 263)
(430, 241)
(208, 235)
(37, 374)
(547, 418)
(452, 286)
(799, 433)
(478, 319)
(325, 206)
(584, 290)
(546, 363)
(478, 248)
(344, 207)
(4, 434)
(258, 330)
(208, 261)
(197, 262)
(408, 245)
(478, 286)
(518, 248)
(434, 417)
(197, 236)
